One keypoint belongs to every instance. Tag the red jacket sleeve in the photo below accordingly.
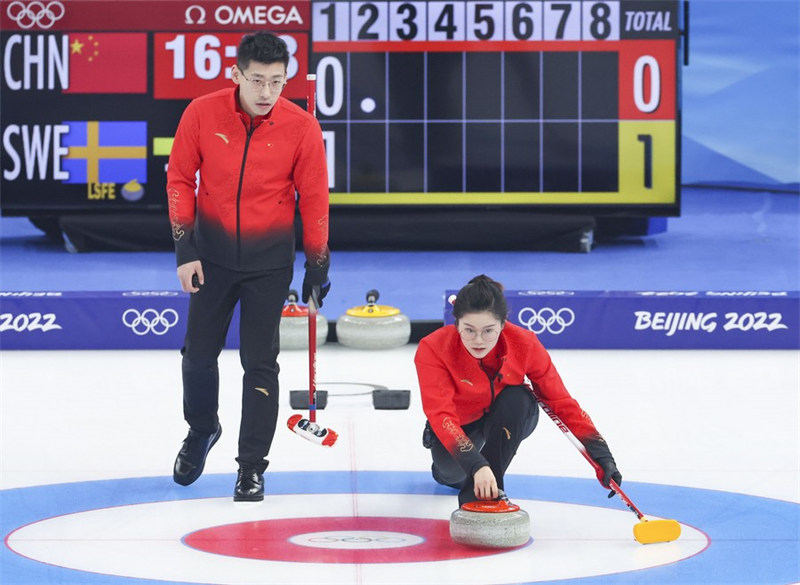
(311, 181)
(445, 407)
(184, 162)
(550, 389)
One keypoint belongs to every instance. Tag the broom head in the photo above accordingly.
(652, 531)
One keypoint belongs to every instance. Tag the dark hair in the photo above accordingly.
(479, 295)
(263, 47)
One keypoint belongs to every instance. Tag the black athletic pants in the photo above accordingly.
(497, 435)
(261, 296)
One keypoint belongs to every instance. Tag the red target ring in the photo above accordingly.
(358, 540)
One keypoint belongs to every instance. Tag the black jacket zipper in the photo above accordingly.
(497, 377)
(239, 196)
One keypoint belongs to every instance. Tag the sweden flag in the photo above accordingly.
(105, 152)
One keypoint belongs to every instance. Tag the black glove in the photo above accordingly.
(601, 454)
(608, 471)
(316, 284)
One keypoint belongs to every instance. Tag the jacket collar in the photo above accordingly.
(236, 108)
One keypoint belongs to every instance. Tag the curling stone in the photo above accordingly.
(373, 326)
(132, 190)
(294, 325)
(494, 524)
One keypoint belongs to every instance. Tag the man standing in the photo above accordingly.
(234, 242)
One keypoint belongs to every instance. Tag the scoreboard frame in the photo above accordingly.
(558, 105)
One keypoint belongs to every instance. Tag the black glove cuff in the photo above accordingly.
(477, 465)
(316, 275)
(598, 450)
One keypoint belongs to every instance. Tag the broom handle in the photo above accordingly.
(311, 94)
(578, 445)
(311, 108)
(312, 359)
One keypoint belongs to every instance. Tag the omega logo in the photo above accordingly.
(247, 14)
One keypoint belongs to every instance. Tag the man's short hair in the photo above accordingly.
(263, 47)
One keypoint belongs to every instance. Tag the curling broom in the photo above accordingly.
(308, 427)
(646, 531)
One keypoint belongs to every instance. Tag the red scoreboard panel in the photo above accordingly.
(553, 103)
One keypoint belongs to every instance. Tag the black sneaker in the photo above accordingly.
(191, 458)
(249, 485)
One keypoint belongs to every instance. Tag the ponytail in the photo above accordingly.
(479, 295)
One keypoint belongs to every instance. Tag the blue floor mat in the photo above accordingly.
(725, 240)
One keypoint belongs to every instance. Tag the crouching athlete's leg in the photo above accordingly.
(511, 419)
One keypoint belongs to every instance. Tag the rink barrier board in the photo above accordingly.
(656, 319)
(561, 319)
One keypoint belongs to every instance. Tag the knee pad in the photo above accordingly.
(514, 400)
(452, 480)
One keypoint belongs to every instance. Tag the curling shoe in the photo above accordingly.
(249, 485)
(191, 459)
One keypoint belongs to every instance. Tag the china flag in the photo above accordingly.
(107, 63)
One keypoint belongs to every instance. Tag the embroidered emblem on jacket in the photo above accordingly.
(177, 227)
(225, 138)
(462, 440)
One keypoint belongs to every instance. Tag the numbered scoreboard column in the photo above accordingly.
(566, 102)
(648, 126)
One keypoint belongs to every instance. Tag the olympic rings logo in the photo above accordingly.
(546, 319)
(35, 13)
(150, 321)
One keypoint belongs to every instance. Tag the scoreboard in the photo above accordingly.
(554, 103)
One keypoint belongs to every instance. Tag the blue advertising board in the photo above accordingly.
(96, 320)
(561, 319)
(656, 319)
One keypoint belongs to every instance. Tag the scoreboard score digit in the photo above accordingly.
(568, 103)
(553, 103)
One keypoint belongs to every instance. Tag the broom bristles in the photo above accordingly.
(312, 431)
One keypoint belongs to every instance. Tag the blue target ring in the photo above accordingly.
(752, 539)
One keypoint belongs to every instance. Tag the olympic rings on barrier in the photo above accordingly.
(150, 321)
(35, 13)
(546, 319)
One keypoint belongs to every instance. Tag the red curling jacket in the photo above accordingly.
(241, 215)
(456, 388)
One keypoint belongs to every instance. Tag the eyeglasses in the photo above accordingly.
(488, 334)
(275, 85)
